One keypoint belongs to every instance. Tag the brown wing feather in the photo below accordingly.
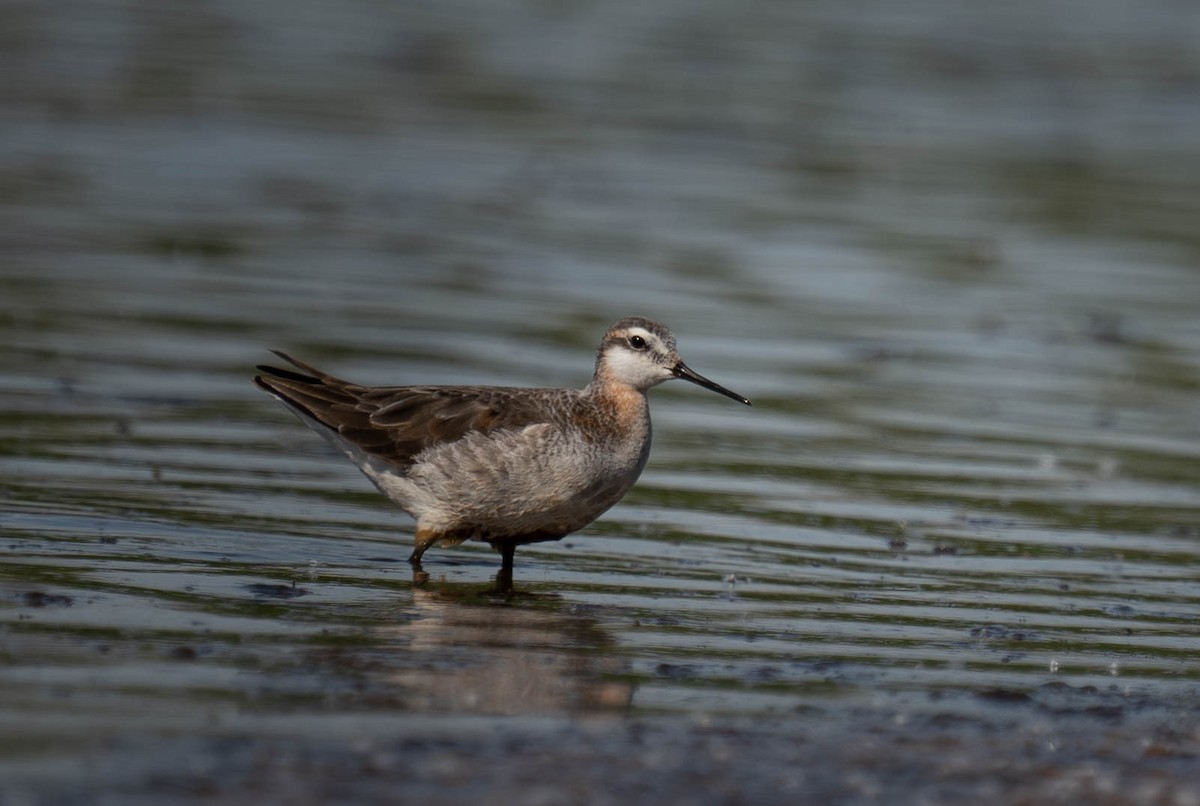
(397, 423)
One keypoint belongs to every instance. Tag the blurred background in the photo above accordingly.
(950, 250)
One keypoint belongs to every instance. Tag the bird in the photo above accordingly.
(505, 465)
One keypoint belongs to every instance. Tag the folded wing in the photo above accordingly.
(398, 423)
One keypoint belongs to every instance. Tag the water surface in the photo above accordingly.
(951, 552)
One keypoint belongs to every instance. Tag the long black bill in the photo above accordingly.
(682, 370)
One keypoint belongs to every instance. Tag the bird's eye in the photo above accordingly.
(637, 342)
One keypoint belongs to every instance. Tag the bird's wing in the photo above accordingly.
(398, 423)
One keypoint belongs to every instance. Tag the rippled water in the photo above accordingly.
(952, 550)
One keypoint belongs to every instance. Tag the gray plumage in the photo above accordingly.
(506, 465)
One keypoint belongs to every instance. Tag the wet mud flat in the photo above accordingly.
(1048, 746)
(490, 704)
(845, 757)
(1018, 754)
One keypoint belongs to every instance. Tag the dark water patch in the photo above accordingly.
(42, 599)
(267, 591)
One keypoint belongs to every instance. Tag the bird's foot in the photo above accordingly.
(419, 576)
(503, 587)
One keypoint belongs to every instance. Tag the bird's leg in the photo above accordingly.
(424, 539)
(419, 577)
(504, 577)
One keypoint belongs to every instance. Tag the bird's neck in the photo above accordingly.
(616, 407)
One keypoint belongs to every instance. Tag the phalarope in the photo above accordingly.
(505, 465)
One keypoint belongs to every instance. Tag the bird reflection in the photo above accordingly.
(494, 658)
(457, 650)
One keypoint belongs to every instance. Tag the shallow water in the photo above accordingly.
(952, 551)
